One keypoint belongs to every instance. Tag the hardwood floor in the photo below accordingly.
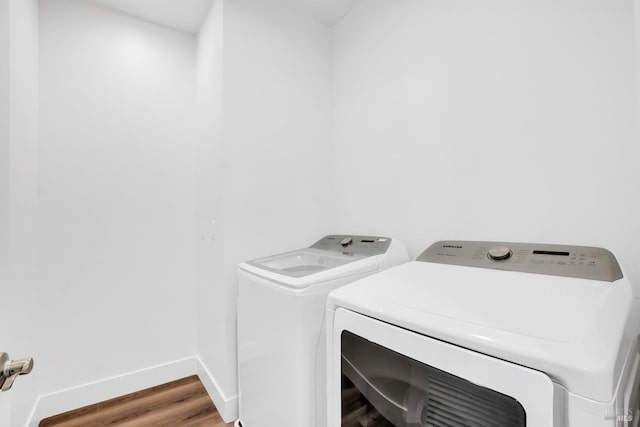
(181, 403)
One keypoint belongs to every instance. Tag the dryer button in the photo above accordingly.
(498, 253)
(346, 241)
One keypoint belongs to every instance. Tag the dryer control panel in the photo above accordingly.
(582, 262)
(354, 245)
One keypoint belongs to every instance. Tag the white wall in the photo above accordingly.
(5, 338)
(270, 160)
(20, 191)
(117, 205)
(636, 22)
(277, 154)
(488, 120)
(216, 329)
(4, 142)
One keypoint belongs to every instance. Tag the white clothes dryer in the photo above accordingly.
(281, 339)
(486, 333)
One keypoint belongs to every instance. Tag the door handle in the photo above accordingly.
(11, 369)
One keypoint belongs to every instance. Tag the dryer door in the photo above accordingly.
(382, 375)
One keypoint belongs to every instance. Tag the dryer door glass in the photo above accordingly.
(383, 388)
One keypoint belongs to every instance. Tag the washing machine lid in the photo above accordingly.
(304, 267)
(303, 262)
(332, 257)
(577, 331)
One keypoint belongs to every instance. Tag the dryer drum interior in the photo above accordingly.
(383, 388)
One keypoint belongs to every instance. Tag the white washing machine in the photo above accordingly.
(281, 340)
(487, 334)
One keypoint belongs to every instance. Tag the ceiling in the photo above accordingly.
(188, 15)
(327, 12)
(183, 15)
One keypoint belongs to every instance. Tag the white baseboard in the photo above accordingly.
(76, 397)
(227, 406)
(87, 394)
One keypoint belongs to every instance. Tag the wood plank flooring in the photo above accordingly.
(181, 403)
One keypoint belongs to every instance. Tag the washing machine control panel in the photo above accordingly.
(571, 261)
(354, 245)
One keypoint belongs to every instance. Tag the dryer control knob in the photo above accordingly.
(346, 241)
(498, 253)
